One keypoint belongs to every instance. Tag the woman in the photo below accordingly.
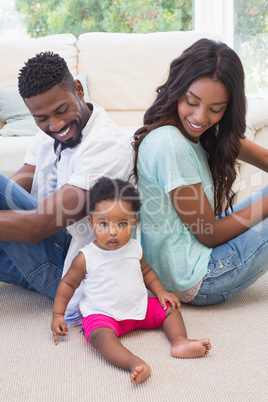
(185, 156)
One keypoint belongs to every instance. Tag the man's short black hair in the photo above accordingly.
(42, 72)
(106, 189)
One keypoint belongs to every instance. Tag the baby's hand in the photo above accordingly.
(164, 296)
(58, 327)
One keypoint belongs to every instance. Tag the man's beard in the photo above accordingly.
(71, 142)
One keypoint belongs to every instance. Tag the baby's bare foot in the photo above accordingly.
(140, 373)
(188, 348)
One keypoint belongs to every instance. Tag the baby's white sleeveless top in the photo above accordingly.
(114, 284)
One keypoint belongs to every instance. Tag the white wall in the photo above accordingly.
(217, 16)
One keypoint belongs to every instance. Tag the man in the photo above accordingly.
(75, 145)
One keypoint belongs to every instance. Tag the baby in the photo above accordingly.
(116, 275)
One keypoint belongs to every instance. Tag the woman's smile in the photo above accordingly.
(201, 107)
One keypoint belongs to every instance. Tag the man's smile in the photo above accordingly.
(64, 132)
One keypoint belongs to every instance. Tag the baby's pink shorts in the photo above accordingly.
(154, 318)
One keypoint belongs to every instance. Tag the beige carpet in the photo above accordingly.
(33, 369)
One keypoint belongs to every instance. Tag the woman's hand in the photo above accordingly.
(166, 297)
(193, 208)
(58, 327)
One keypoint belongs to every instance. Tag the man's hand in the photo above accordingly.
(54, 213)
(164, 297)
(58, 327)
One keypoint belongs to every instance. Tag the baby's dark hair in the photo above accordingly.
(43, 72)
(106, 189)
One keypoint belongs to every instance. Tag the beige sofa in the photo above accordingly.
(122, 73)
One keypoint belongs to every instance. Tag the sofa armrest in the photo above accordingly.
(250, 178)
(257, 116)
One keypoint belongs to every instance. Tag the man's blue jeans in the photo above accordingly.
(33, 266)
(237, 264)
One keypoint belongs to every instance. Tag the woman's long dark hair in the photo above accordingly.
(205, 58)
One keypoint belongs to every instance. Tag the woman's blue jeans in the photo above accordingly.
(237, 264)
(33, 266)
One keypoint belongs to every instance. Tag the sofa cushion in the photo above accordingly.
(124, 70)
(16, 52)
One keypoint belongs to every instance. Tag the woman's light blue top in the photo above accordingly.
(167, 160)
